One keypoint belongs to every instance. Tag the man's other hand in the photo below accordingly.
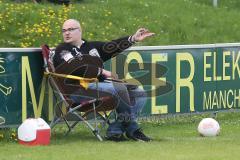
(141, 34)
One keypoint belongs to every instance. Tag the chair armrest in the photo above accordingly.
(82, 81)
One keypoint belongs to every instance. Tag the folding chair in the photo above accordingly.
(100, 103)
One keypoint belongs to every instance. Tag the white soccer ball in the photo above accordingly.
(208, 127)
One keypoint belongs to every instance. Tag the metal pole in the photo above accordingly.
(215, 3)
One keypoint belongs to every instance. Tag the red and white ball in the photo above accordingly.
(208, 127)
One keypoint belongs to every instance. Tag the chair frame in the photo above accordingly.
(72, 111)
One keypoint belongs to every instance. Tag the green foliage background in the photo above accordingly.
(28, 24)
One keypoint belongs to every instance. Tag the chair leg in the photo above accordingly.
(94, 130)
(55, 121)
(97, 134)
(74, 124)
(56, 118)
(64, 118)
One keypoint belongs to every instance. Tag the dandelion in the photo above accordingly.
(46, 29)
(13, 134)
(39, 30)
(22, 45)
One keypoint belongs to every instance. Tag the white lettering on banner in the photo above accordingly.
(2, 120)
(6, 90)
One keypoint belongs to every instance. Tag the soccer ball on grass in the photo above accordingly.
(208, 127)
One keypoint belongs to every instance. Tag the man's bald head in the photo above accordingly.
(72, 22)
(72, 32)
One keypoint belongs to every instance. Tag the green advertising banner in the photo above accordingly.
(21, 74)
(177, 79)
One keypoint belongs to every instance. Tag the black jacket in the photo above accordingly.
(68, 58)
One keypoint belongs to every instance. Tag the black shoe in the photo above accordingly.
(116, 138)
(138, 135)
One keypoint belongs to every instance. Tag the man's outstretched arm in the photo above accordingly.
(110, 49)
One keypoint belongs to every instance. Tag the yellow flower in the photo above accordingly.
(51, 11)
(39, 30)
(22, 45)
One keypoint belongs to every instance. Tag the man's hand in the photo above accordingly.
(109, 74)
(141, 34)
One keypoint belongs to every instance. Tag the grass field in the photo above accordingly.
(175, 138)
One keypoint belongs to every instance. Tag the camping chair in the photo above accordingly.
(99, 105)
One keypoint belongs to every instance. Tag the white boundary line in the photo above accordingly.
(195, 46)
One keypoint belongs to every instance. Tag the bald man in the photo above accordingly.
(131, 101)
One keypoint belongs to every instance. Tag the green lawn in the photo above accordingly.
(174, 139)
